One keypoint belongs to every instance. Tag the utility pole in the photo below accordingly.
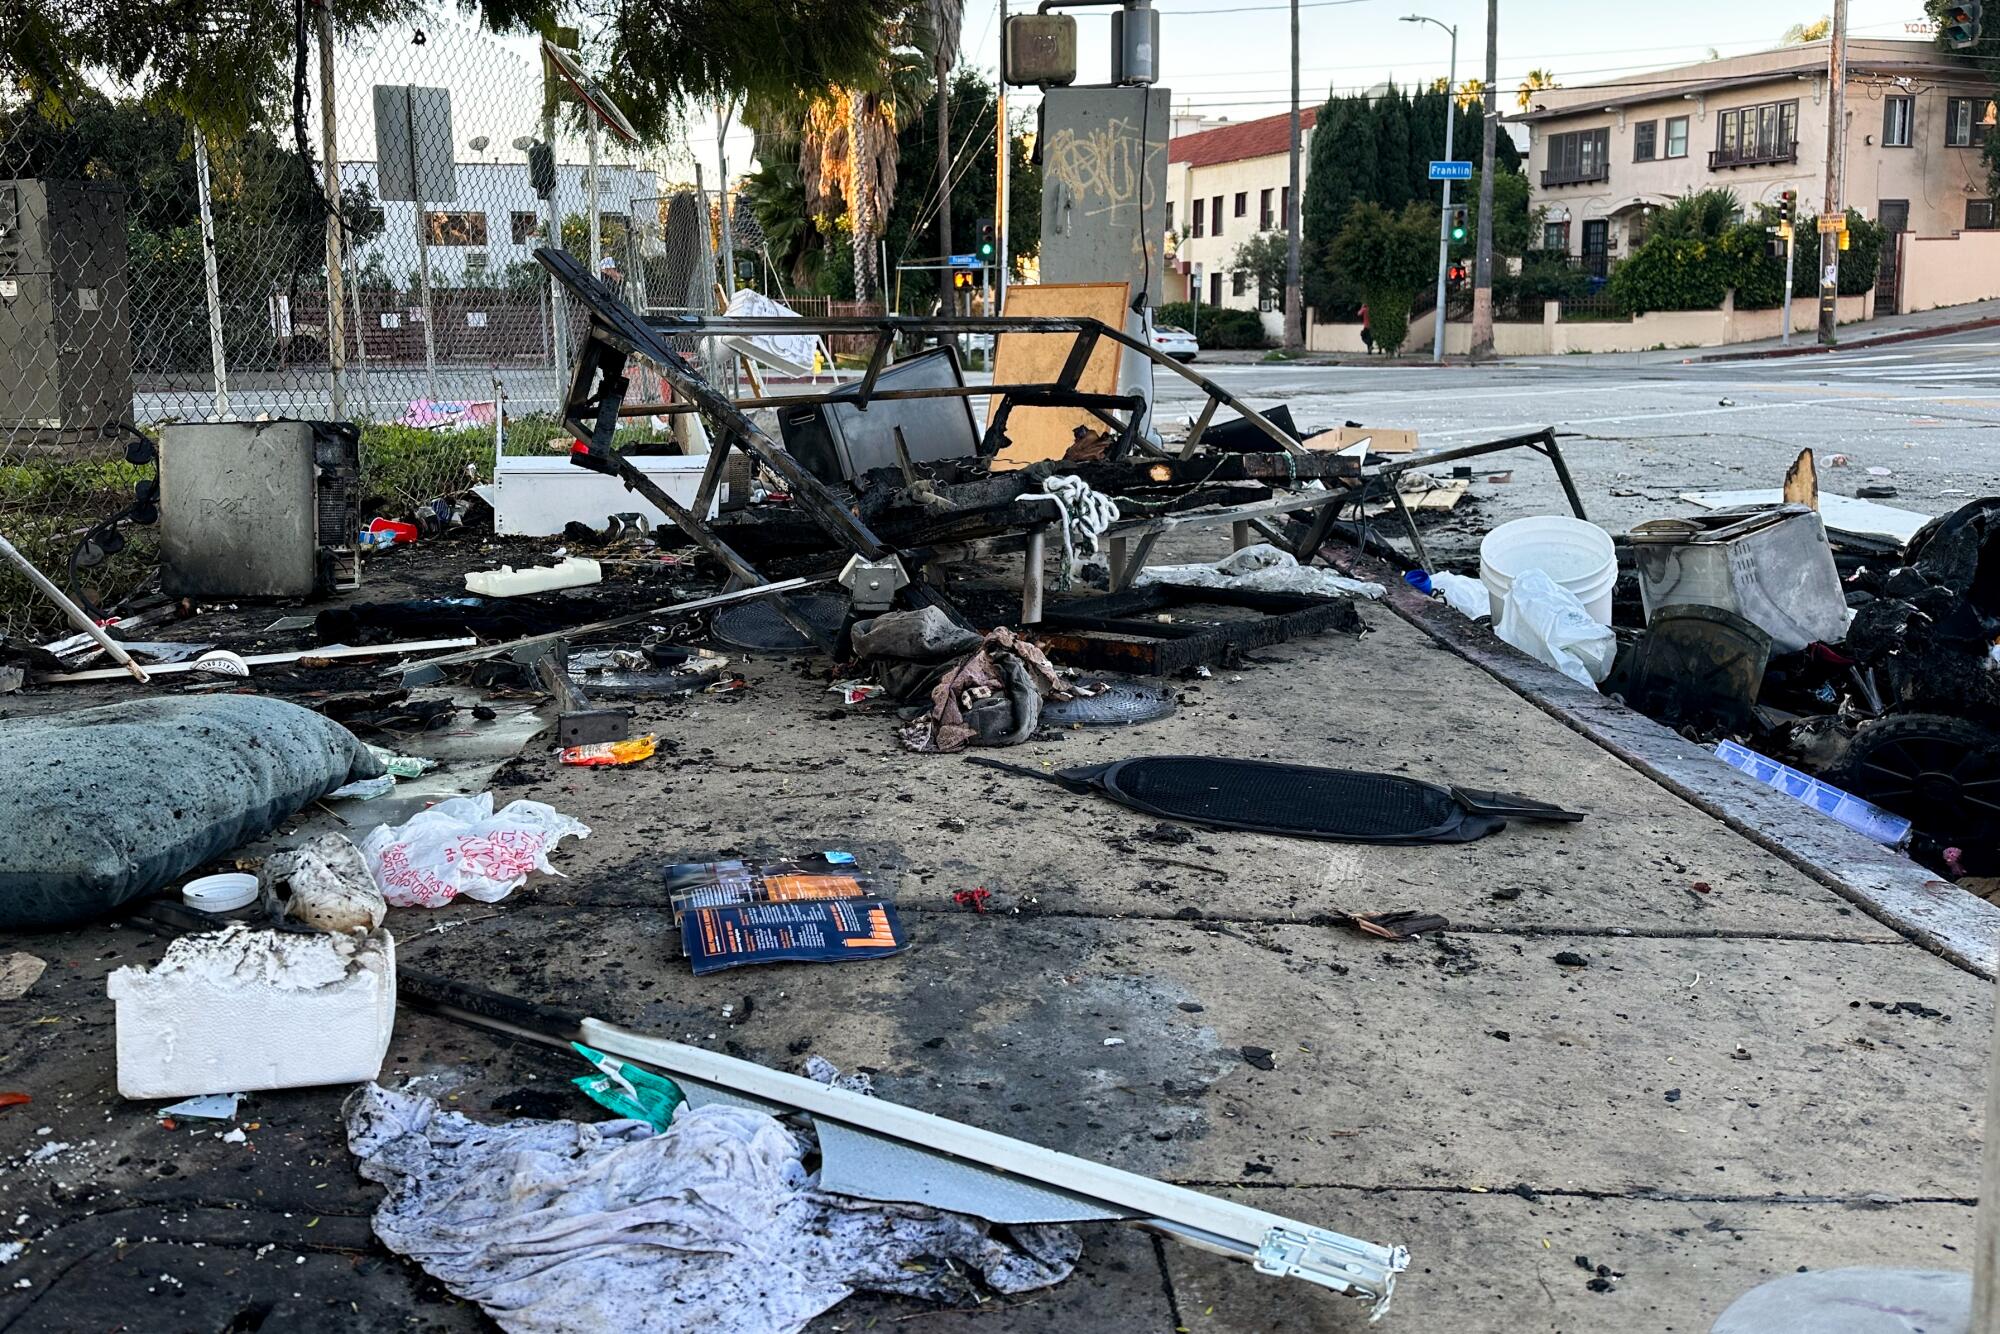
(1482, 263)
(942, 61)
(1444, 213)
(722, 164)
(1000, 177)
(1836, 163)
(1295, 306)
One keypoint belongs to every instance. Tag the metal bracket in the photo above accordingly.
(872, 585)
(1342, 1263)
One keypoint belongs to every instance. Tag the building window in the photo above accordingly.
(524, 227)
(1215, 284)
(1555, 237)
(1578, 157)
(1896, 121)
(1215, 215)
(455, 228)
(1194, 219)
(1677, 136)
(1645, 141)
(1750, 136)
(1239, 283)
(1242, 205)
(1264, 211)
(1285, 207)
(1979, 215)
(1967, 121)
(1170, 215)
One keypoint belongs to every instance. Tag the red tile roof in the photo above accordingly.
(1234, 143)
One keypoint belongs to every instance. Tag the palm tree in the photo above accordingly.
(847, 143)
(1800, 33)
(1537, 80)
(1471, 92)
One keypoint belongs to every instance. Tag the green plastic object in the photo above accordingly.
(630, 1090)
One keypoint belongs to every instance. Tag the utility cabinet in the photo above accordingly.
(65, 315)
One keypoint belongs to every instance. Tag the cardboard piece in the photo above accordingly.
(1381, 439)
(1035, 434)
(1802, 481)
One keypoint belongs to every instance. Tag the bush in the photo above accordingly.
(1389, 319)
(1681, 272)
(1221, 327)
(1673, 273)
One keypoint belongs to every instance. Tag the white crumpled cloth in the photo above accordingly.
(796, 348)
(1264, 569)
(564, 1227)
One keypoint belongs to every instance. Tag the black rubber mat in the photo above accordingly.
(1298, 800)
(1121, 703)
(756, 626)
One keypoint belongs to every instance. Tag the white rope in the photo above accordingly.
(1086, 514)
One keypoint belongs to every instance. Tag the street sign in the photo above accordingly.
(963, 261)
(1451, 171)
(1836, 224)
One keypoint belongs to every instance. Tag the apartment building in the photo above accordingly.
(1604, 156)
(1224, 185)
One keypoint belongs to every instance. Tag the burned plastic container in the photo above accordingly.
(1770, 564)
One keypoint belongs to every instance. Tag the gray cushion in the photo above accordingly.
(102, 805)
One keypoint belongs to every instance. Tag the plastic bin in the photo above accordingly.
(1863, 817)
(1577, 555)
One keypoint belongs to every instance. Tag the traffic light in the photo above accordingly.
(1455, 273)
(542, 169)
(986, 238)
(961, 279)
(1458, 223)
(1961, 24)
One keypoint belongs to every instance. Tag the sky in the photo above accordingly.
(1231, 57)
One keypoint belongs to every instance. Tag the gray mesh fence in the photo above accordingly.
(151, 274)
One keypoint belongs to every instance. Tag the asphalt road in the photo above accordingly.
(1636, 435)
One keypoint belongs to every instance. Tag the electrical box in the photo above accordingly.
(1040, 51)
(65, 319)
(259, 509)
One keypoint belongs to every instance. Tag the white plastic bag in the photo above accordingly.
(462, 846)
(1467, 597)
(1546, 621)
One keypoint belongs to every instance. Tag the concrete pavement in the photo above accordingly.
(1727, 1089)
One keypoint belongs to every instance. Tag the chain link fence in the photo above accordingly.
(151, 274)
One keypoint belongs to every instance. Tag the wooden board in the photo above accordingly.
(1381, 440)
(1034, 434)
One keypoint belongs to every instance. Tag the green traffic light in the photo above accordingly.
(985, 247)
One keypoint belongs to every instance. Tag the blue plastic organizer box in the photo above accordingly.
(1862, 817)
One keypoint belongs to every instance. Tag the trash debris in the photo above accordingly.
(239, 1010)
(508, 582)
(1403, 924)
(19, 971)
(1084, 517)
(607, 754)
(364, 789)
(1552, 625)
(831, 875)
(330, 885)
(222, 662)
(208, 1107)
(1770, 565)
(991, 697)
(221, 893)
(1466, 596)
(463, 846)
(1861, 816)
(1262, 568)
(855, 692)
(79, 832)
(628, 1089)
(975, 899)
(824, 931)
(1574, 555)
(553, 1226)
(1297, 800)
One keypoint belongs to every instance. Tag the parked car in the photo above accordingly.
(1175, 341)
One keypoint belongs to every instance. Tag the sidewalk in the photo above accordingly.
(1865, 333)
(1719, 1094)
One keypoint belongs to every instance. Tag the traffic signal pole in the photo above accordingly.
(1444, 211)
(1791, 255)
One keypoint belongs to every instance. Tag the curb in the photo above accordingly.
(1880, 340)
(1892, 889)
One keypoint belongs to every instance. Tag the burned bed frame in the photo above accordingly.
(597, 400)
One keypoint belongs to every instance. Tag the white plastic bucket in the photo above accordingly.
(1577, 555)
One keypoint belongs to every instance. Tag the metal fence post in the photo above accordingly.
(218, 363)
(329, 151)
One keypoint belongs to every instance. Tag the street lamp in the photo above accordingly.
(1444, 213)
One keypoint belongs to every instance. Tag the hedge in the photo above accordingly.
(1215, 326)
(1687, 273)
